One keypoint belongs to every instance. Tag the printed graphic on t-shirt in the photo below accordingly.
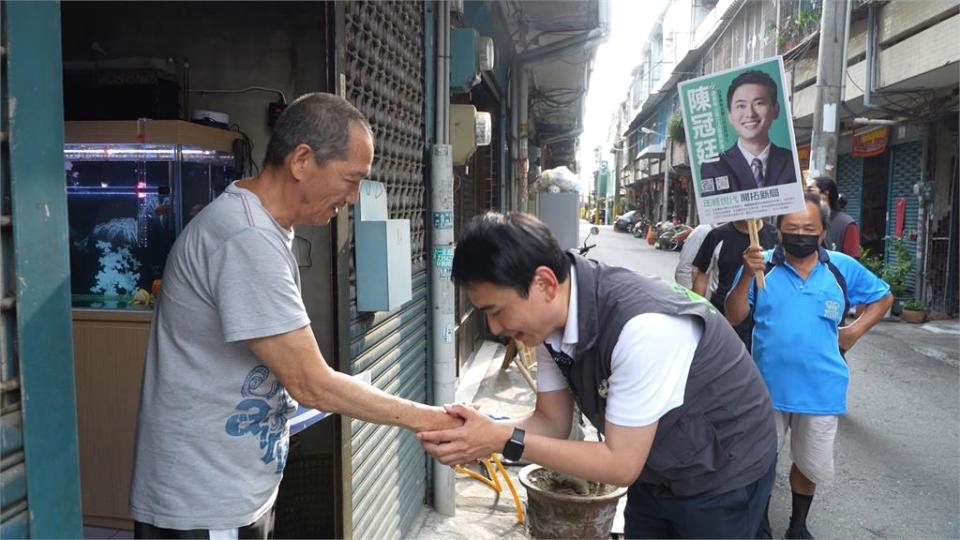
(831, 310)
(264, 415)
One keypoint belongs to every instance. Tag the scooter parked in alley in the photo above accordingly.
(586, 248)
(672, 236)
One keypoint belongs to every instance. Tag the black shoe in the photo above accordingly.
(798, 532)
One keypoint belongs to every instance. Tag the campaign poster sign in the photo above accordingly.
(743, 154)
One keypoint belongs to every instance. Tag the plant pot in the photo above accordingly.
(560, 515)
(912, 316)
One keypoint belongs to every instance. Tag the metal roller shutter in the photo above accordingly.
(39, 480)
(850, 183)
(13, 471)
(384, 56)
(905, 171)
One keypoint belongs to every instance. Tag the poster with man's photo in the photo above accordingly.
(743, 155)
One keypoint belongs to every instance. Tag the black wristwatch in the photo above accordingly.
(513, 450)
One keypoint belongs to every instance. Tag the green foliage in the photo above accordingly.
(675, 128)
(896, 271)
(872, 262)
(913, 305)
(794, 30)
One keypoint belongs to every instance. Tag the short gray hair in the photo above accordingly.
(319, 120)
(815, 199)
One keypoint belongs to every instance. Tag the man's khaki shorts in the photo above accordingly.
(811, 442)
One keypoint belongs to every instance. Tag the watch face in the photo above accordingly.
(513, 450)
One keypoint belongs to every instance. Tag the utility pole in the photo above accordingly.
(831, 68)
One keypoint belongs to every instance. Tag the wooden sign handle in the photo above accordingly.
(753, 225)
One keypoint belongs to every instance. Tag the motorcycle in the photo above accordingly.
(672, 237)
(586, 248)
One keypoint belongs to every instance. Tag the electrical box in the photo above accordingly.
(470, 54)
(382, 252)
(468, 130)
(559, 211)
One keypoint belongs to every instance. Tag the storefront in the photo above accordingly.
(901, 182)
(164, 104)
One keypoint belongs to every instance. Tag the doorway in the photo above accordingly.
(873, 215)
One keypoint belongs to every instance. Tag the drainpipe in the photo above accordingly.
(666, 180)
(870, 54)
(523, 117)
(443, 320)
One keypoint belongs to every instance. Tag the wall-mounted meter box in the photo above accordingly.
(470, 55)
(382, 252)
(468, 130)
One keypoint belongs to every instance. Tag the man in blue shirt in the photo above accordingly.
(799, 339)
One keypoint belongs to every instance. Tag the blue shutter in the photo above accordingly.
(905, 171)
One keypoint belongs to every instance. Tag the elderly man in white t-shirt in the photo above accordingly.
(231, 351)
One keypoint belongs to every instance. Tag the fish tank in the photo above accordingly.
(126, 205)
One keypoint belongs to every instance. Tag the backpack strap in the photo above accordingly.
(843, 287)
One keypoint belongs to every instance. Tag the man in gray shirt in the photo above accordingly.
(231, 351)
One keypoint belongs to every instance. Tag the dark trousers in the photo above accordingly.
(734, 514)
(262, 529)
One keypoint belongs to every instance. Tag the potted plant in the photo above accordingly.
(895, 272)
(560, 506)
(913, 311)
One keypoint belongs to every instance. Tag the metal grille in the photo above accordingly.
(13, 514)
(850, 183)
(905, 171)
(383, 51)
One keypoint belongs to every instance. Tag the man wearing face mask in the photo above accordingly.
(799, 340)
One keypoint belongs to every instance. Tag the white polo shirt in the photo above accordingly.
(649, 368)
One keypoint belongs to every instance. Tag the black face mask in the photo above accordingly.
(800, 245)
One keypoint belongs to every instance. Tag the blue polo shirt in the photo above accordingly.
(795, 335)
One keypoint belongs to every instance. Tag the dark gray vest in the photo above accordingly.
(839, 221)
(723, 436)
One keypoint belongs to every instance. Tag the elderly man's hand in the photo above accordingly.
(477, 438)
(753, 262)
(441, 420)
(847, 338)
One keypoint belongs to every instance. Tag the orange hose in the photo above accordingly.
(493, 474)
(513, 490)
(487, 482)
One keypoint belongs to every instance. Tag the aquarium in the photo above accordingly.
(126, 205)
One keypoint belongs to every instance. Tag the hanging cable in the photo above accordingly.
(283, 97)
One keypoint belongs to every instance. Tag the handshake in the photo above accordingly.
(459, 434)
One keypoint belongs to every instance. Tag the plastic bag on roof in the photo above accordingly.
(556, 180)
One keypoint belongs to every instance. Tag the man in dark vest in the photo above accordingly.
(684, 417)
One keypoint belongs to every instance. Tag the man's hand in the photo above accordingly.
(478, 437)
(848, 337)
(753, 262)
(870, 315)
(439, 419)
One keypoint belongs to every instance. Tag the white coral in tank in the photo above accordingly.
(117, 271)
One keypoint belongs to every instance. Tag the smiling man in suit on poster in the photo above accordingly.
(754, 161)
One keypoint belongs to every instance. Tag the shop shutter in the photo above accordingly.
(39, 470)
(850, 183)
(383, 67)
(905, 171)
(13, 470)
